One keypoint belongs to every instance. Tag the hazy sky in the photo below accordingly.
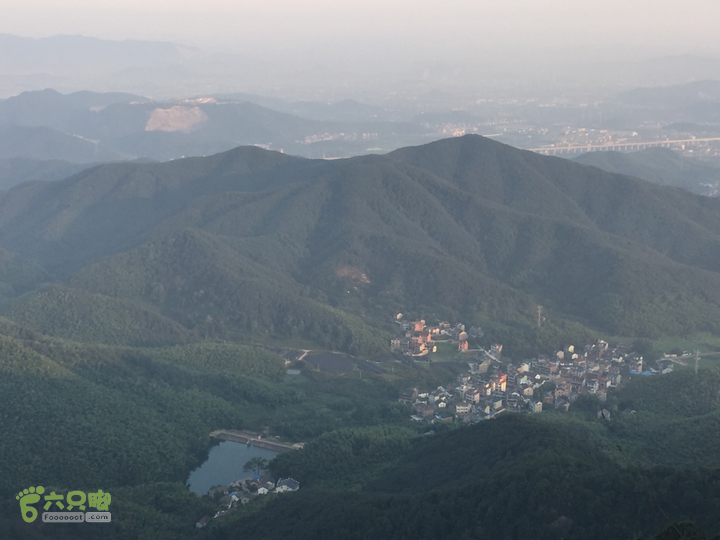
(436, 29)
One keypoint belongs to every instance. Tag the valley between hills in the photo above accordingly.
(252, 243)
(145, 305)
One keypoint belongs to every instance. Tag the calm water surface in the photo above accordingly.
(224, 465)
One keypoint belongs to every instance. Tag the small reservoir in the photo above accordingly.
(224, 465)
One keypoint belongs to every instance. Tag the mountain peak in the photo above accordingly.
(464, 226)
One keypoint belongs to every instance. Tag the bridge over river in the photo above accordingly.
(254, 439)
(621, 146)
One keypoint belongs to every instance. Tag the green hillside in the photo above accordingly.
(659, 166)
(538, 476)
(81, 316)
(208, 286)
(143, 415)
(458, 229)
(513, 477)
(17, 170)
(140, 299)
(45, 143)
(19, 274)
(136, 421)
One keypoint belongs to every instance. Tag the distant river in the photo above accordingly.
(224, 465)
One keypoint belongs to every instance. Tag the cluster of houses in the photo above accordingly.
(421, 339)
(244, 491)
(492, 386)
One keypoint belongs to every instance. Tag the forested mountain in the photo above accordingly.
(15, 171)
(141, 415)
(659, 166)
(74, 113)
(537, 476)
(128, 286)
(260, 241)
(44, 143)
(514, 477)
(136, 422)
(90, 127)
(139, 420)
(519, 476)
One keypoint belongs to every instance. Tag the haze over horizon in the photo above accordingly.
(516, 32)
(456, 263)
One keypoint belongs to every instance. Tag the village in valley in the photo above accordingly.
(245, 491)
(493, 385)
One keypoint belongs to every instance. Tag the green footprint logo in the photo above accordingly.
(27, 497)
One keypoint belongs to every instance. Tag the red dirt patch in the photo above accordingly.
(353, 273)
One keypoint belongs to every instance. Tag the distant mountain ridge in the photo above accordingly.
(674, 96)
(63, 54)
(15, 171)
(461, 228)
(43, 143)
(128, 126)
(659, 166)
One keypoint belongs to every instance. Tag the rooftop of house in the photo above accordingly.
(290, 483)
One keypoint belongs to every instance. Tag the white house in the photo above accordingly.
(287, 484)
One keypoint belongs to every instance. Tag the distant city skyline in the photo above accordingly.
(512, 31)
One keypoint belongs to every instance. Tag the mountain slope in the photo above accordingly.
(126, 126)
(73, 113)
(80, 316)
(129, 415)
(461, 228)
(659, 166)
(556, 189)
(208, 286)
(44, 143)
(111, 208)
(15, 171)
(514, 477)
